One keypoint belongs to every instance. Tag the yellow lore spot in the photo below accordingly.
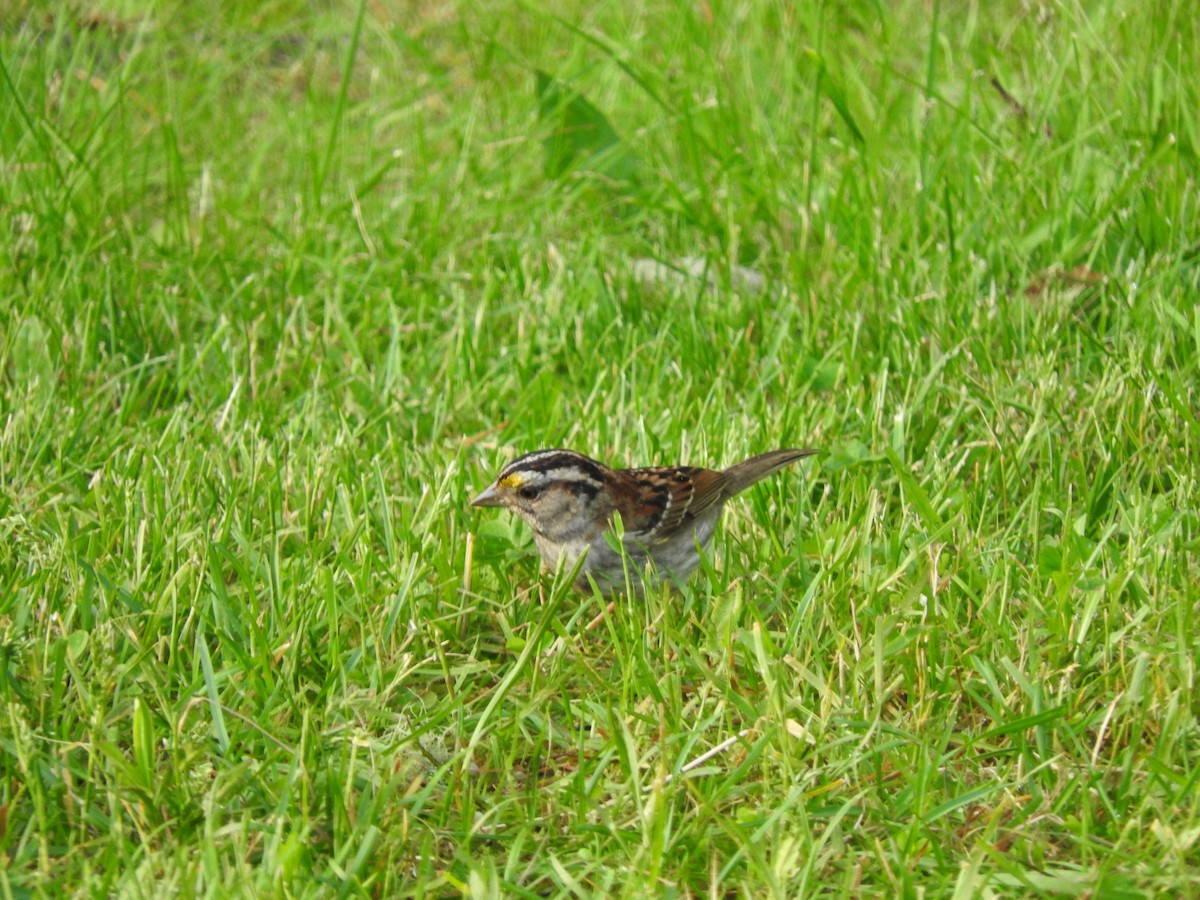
(513, 481)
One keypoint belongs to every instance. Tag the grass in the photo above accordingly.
(283, 284)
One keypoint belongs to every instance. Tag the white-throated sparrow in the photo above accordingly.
(668, 513)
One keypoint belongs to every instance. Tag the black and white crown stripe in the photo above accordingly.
(543, 467)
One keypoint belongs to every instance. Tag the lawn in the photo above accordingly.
(284, 284)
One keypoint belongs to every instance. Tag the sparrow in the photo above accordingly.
(668, 513)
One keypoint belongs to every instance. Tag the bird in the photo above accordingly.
(668, 513)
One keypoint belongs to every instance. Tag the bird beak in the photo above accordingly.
(489, 497)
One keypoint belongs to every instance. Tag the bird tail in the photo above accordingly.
(756, 468)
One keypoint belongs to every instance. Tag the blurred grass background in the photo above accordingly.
(283, 283)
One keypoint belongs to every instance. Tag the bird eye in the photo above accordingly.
(528, 493)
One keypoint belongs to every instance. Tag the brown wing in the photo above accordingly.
(669, 498)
